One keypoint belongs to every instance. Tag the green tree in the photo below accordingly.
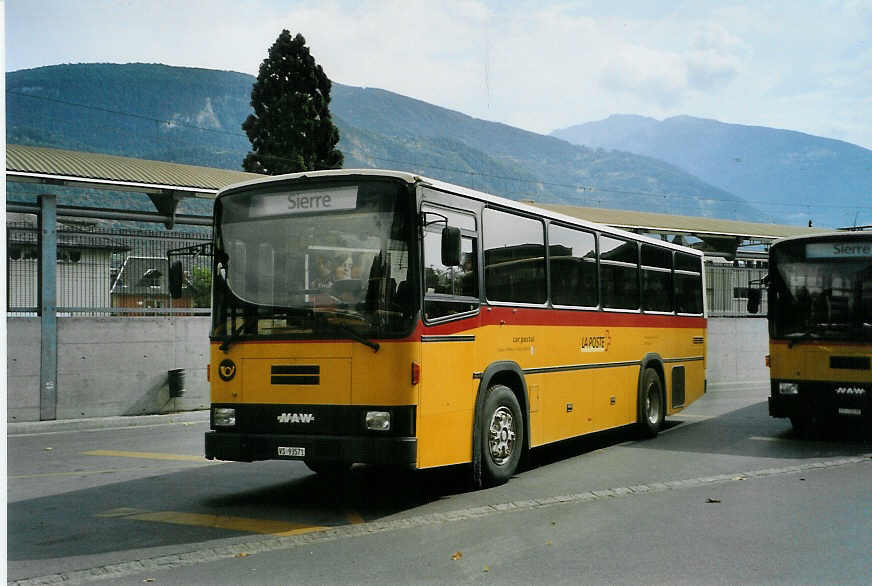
(201, 283)
(291, 129)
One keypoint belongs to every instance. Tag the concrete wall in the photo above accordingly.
(118, 366)
(736, 351)
(109, 366)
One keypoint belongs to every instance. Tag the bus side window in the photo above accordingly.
(688, 283)
(619, 271)
(572, 257)
(657, 289)
(450, 290)
(514, 258)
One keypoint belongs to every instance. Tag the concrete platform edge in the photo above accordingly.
(94, 423)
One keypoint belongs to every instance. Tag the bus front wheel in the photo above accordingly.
(502, 435)
(651, 404)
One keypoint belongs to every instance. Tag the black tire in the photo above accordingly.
(651, 405)
(803, 425)
(501, 434)
(328, 468)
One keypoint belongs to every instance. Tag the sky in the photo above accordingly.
(540, 65)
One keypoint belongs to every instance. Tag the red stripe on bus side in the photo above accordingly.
(527, 316)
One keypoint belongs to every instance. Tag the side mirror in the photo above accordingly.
(754, 297)
(175, 279)
(450, 246)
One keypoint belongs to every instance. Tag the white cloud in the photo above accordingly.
(538, 65)
(660, 77)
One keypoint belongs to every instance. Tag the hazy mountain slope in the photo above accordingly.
(195, 116)
(808, 177)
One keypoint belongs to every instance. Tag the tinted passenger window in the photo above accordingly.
(688, 283)
(687, 262)
(619, 273)
(656, 278)
(654, 256)
(572, 257)
(514, 258)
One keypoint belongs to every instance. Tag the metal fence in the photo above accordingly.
(727, 290)
(112, 271)
(106, 271)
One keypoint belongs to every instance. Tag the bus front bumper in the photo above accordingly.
(245, 447)
(820, 400)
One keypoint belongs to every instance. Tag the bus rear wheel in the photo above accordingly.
(652, 407)
(502, 435)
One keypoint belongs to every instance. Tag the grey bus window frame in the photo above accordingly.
(451, 214)
(616, 263)
(469, 230)
(596, 264)
(702, 291)
(700, 273)
(658, 269)
(543, 222)
(668, 252)
(672, 289)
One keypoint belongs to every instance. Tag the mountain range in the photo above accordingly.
(194, 116)
(800, 176)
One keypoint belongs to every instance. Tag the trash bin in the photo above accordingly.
(176, 379)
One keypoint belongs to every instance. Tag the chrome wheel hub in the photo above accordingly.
(652, 404)
(501, 436)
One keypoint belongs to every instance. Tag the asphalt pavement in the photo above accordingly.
(725, 494)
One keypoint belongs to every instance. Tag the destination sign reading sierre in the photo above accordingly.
(839, 250)
(302, 202)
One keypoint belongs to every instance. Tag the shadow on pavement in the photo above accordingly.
(102, 520)
(750, 431)
(85, 524)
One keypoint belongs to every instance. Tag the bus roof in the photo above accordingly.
(841, 235)
(413, 178)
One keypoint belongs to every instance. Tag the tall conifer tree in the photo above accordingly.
(291, 129)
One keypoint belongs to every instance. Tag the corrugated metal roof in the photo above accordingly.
(671, 224)
(42, 163)
(110, 171)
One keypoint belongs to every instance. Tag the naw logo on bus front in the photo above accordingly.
(296, 418)
(599, 343)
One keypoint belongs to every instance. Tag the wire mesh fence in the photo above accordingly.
(106, 271)
(727, 290)
(123, 272)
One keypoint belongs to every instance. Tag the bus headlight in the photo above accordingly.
(378, 420)
(223, 416)
(788, 389)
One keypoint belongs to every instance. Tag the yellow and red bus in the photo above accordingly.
(364, 316)
(820, 328)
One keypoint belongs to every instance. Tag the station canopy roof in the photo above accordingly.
(95, 170)
(167, 183)
(676, 225)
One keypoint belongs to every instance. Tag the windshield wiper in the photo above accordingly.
(348, 330)
(357, 337)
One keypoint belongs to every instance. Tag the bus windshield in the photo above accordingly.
(327, 261)
(823, 290)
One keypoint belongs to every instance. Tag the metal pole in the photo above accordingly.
(48, 257)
